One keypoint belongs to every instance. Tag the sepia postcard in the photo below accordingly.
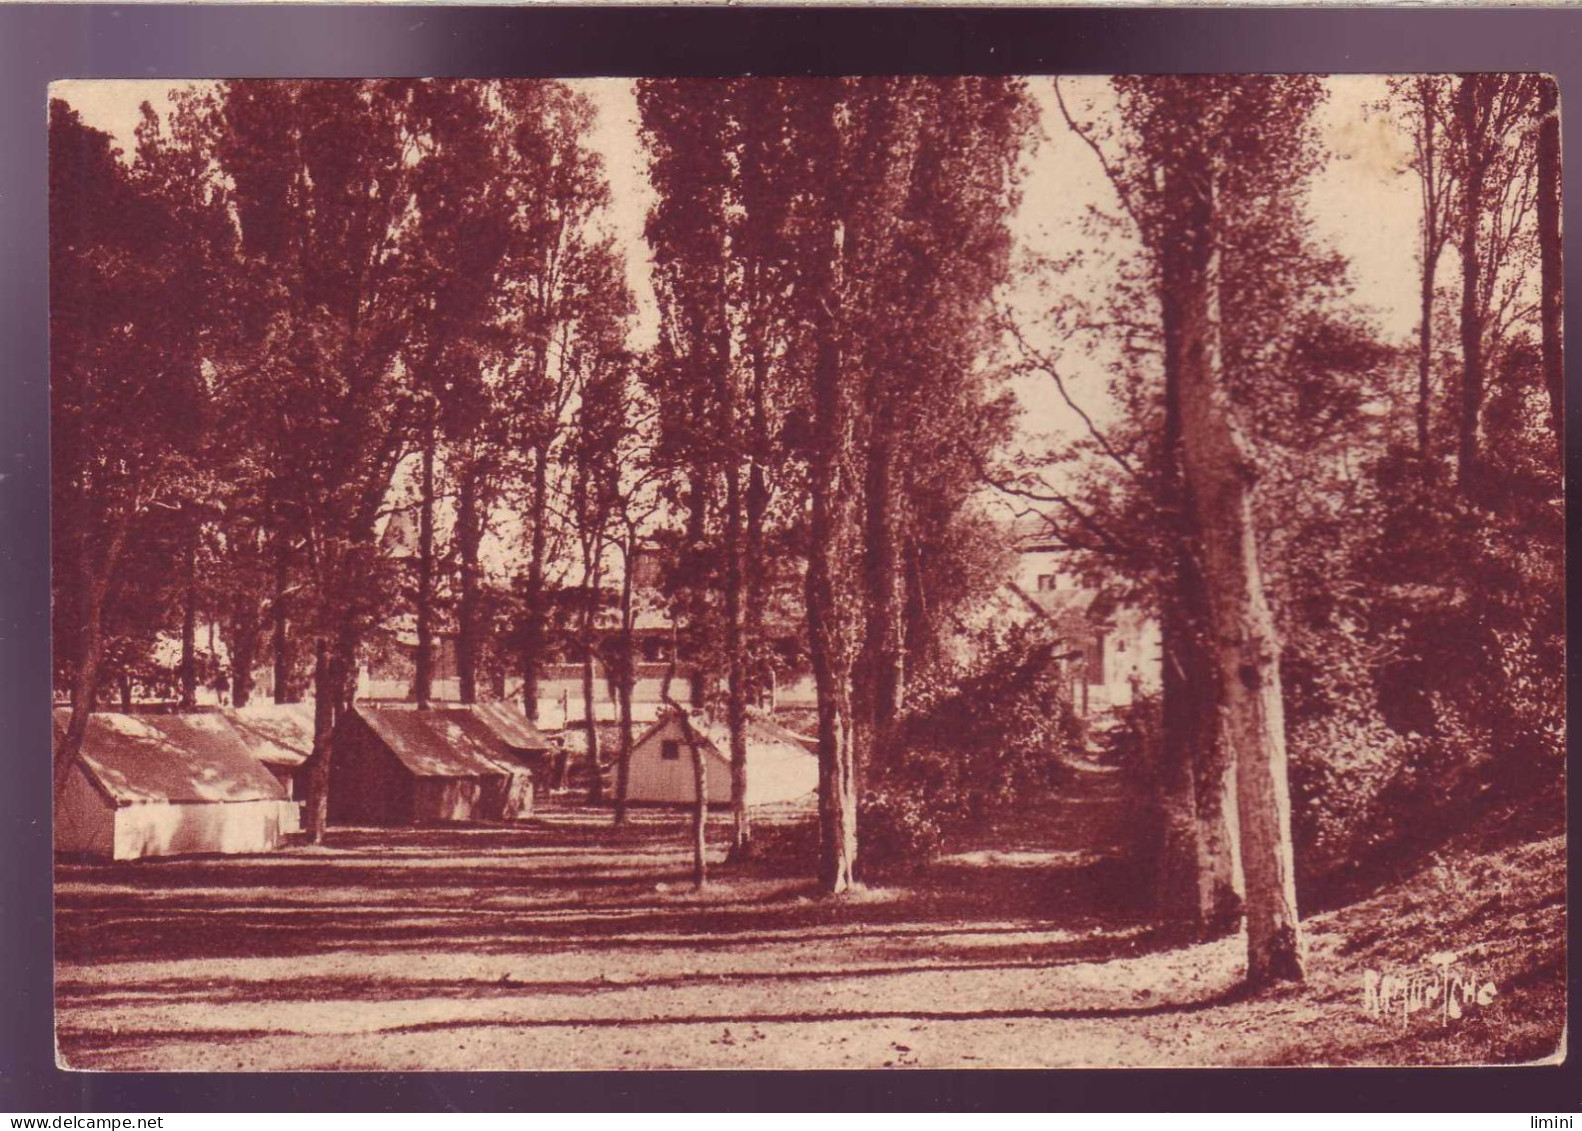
(807, 573)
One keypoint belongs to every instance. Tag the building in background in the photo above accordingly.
(1115, 648)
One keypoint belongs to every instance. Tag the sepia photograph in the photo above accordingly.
(873, 572)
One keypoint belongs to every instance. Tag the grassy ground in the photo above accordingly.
(561, 943)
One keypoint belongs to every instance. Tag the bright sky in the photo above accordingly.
(1364, 204)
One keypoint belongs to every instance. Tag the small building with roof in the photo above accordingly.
(401, 766)
(528, 752)
(1116, 647)
(167, 785)
(781, 768)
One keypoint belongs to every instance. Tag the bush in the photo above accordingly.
(899, 831)
(1134, 739)
(975, 743)
(1341, 770)
(1367, 799)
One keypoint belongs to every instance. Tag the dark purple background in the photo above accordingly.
(41, 43)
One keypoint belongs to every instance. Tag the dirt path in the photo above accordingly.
(560, 944)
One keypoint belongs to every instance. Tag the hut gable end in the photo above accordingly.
(779, 766)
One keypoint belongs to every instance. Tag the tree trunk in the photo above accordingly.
(1178, 866)
(626, 676)
(316, 803)
(700, 781)
(883, 679)
(469, 536)
(1468, 98)
(423, 674)
(831, 597)
(735, 645)
(1551, 301)
(757, 503)
(700, 808)
(533, 623)
(1199, 886)
(1425, 354)
(189, 625)
(334, 688)
(698, 654)
(93, 585)
(280, 643)
(837, 781)
(589, 694)
(1433, 241)
(1221, 884)
(1219, 472)
(244, 648)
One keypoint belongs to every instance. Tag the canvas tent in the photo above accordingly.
(280, 735)
(165, 785)
(779, 766)
(399, 766)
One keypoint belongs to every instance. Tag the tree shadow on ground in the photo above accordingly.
(543, 924)
(480, 888)
(115, 1042)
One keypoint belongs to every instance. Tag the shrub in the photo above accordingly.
(972, 745)
(1367, 799)
(899, 831)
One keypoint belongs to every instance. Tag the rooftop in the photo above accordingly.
(136, 759)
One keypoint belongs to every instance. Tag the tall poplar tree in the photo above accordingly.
(1213, 151)
(320, 176)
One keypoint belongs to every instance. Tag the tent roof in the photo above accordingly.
(180, 758)
(280, 734)
(445, 743)
(510, 725)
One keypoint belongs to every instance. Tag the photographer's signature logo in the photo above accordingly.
(1442, 986)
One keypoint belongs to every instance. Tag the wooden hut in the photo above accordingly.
(401, 766)
(167, 785)
(780, 768)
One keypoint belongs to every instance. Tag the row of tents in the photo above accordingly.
(233, 781)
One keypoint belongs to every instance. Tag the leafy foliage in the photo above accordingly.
(978, 742)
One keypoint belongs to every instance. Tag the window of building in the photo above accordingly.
(1046, 582)
(670, 750)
